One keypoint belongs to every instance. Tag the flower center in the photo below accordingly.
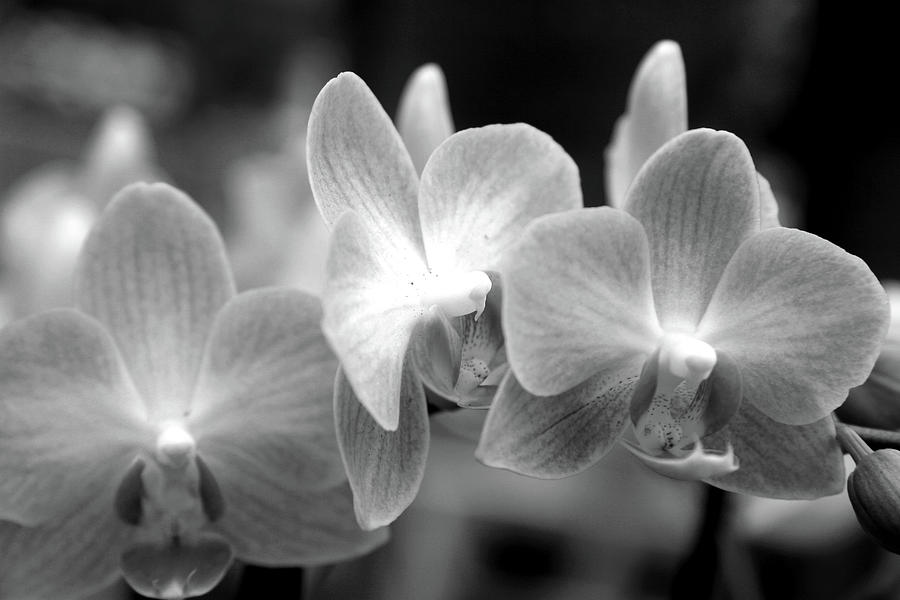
(674, 416)
(175, 447)
(457, 294)
(684, 359)
(170, 498)
(686, 391)
(172, 484)
(482, 359)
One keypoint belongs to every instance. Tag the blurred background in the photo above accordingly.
(213, 95)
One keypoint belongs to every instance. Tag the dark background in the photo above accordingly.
(807, 85)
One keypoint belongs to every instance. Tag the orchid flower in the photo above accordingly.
(408, 294)
(166, 425)
(48, 213)
(724, 345)
(657, 112)
(278, 236)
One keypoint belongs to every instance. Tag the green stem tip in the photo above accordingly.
(852, 443)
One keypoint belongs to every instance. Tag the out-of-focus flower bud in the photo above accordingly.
(874, 489)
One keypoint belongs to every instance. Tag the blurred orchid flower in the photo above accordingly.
(410, 267)
(423, 117)
(47, 215)
(278, 237)
(719, 339)
(166, 425)
(657, 112)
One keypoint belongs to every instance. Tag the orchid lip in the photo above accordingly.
(175, 570)
(481, 353)
(699, 463)
(687, 390)
(472, 372)
(170, 502)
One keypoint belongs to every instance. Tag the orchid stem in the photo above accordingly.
(851, 441)
(880, 438)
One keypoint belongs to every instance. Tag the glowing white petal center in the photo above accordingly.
(457, 294)
(685, 358)
(175, 447)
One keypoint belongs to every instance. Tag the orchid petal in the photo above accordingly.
(424, 118)
(385, 468)
(287, 527)
(72, 556)
(656, 113)
(780, 461)
(358, 162)
(558, 436)
(697, 199)
(802, 318)
(481, 188)
(768, 205)
(370, 311)
(154, 272)
(263, 404)
(577, 297)
(70, 419)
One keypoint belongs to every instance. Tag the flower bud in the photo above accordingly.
(874, 489)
